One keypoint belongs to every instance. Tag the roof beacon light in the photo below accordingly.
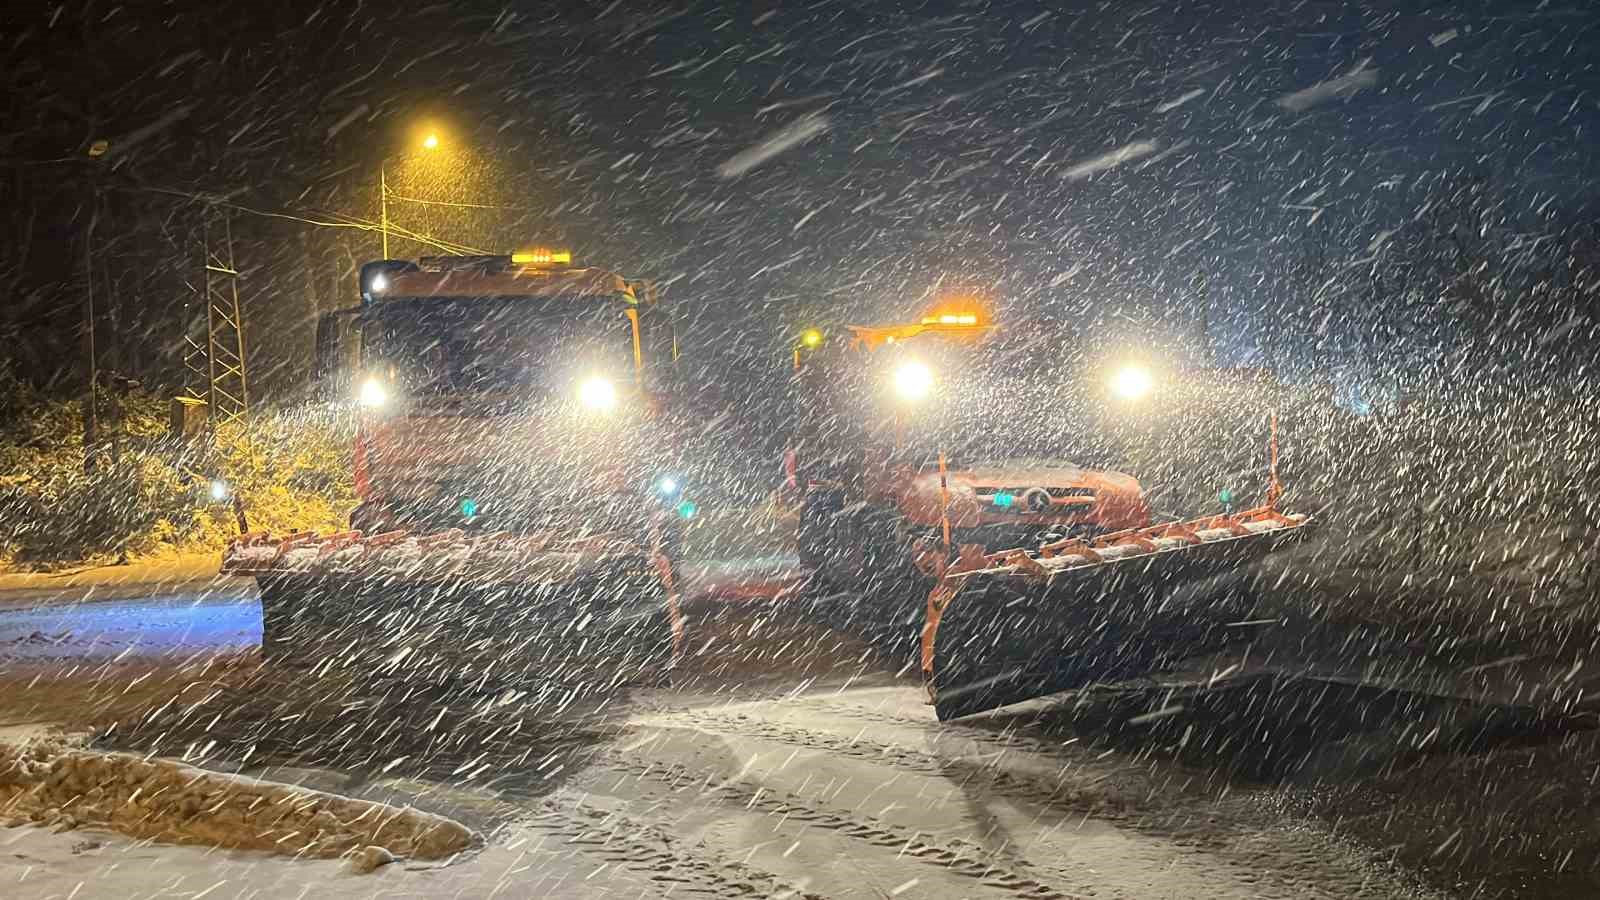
(542, 257)
(951, 319)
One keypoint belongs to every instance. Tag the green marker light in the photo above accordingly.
(687, 509)
(1004, 498)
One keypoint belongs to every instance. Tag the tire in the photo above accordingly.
(863, 564)
(814, 540)
(292, 629)
(275, 632)
(371, 518)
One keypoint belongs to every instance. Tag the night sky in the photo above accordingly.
(1121, 169)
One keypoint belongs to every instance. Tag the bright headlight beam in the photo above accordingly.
(379, 283)
(372, 393)
(1132, 382)
(913, 381)
(598, 394)
(219, 490)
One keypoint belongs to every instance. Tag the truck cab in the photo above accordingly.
(918, 434)
(512, 393)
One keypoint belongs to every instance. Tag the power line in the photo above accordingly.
(394, 196)
(352, 222)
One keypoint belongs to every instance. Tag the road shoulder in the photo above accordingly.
(189, 573)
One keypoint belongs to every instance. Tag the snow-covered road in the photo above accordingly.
(161, 625)
(772, 756)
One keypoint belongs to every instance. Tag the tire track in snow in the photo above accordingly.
(1027, 789)
(905, 841)
(651, 852)
(1263, 853)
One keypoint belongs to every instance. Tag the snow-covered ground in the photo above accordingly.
(780, 763)
(851, 793)
(55, 784)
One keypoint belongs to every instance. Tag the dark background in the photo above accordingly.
(1439, 216)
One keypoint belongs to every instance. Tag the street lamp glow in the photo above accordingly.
(1132, 382)
(913, 381)
(431, 142)
(219, 490)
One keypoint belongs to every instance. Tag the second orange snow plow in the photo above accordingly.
(1039, 575)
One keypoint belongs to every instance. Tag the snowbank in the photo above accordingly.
(55, 785)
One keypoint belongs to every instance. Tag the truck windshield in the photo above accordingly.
(526, 346)
(983, 401)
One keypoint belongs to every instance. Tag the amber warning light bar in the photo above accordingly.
(542, 257)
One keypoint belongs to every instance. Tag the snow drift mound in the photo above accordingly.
(55, 785)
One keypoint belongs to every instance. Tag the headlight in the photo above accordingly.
(598, 394)
(913, 381)
(1132, 382)
(667, 486)
(220, 491)
(372, 393)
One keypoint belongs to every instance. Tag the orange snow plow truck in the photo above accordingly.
(938, 499)
(513, 461)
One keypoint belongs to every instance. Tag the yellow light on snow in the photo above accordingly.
(542, 257)
(1132, 382)
(811, 337)
(597, 394)
(372, 393)
(913, 381)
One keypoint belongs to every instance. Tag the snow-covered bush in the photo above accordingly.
(291, 469)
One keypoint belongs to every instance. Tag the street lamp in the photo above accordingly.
(429, 142)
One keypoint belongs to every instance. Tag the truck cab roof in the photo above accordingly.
(497, 276)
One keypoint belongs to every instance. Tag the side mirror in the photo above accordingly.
(658, 338)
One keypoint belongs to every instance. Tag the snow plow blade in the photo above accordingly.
(571, 616)
(1006, 627)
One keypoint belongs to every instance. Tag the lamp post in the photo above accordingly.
(383, 205)
(428, 142)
